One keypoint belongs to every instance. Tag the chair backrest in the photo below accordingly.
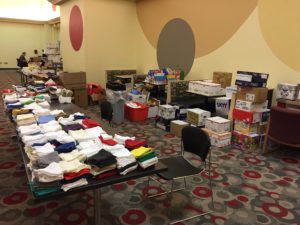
(196, 141)
(106, 110)
(284, 125)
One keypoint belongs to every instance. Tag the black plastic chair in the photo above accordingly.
(106, 111)
(196, 141)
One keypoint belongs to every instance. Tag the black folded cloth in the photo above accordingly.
(102, 158)
(75, 126)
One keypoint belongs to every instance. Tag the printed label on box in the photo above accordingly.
(250, 97)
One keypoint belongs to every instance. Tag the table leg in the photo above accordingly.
(97, 206)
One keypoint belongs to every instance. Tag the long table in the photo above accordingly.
(94, 185)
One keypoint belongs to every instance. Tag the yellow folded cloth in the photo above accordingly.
(16, 112)
(138, 152)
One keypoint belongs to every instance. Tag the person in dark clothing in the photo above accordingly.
(22, 62)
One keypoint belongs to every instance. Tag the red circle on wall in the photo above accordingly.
(76, 28)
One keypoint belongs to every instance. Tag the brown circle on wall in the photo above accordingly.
(76, 28)
(176, 46)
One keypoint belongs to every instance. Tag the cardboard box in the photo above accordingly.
(217, 124)
(81, 97)
(250, 106)
(245, 142)
(222, 106)
(248, 117)
(218, 139)
(72, 78)
(230, 90)
(204, 87)
(251, 79)
(166, 111)
(245, 128)
(223, 78)
(287, 91)
(176, 127)
(197, 116)
(255, 95)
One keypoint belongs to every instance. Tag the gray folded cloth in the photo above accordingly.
(44, 161)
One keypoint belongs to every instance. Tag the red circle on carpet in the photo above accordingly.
(72, 217)
(15, 198)
(76, 28)
(134, 216)
(252, 174)
(203, 192)
(274, 210)
(7, 165)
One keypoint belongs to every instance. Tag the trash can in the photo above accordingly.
(117, 99)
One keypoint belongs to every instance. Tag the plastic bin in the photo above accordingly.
(136, 114)
(118, 112)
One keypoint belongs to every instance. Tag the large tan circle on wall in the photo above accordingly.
(280, 25)
(212, 21)
(176, 46)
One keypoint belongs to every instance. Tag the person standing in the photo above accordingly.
(22, 62)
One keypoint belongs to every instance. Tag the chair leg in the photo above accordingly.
(171, 196)
(210, 182)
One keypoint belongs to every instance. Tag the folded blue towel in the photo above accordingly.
(45, 119)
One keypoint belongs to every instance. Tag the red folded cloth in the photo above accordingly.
(110, 142)
(88, 123)
(108, 174)
(132, 144)
(72, 175)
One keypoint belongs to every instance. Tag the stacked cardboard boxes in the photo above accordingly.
(166, 113)
(218, 129)
(250, 114)
(197, 116)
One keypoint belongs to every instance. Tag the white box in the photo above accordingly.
(204, 87)
(286, 91)
(166, 111)
(250, 106)
(222, 106)
(218, 139)
(217, 124)
(197, 116)
(230, 90)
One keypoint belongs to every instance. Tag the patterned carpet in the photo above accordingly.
(248, 188)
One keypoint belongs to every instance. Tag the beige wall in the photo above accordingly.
(73, 61)
(110, 33)
(245, 50)
(16, 38)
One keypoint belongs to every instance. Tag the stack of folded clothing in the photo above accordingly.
(75, 126)
(53, 172)
(79, 116)
(81, 135)
(145, 157)
(75, 184)
(44, 104)
(57, 112)
(30, 140)
(66, 121)
(16, 112)
(11, 98)
(29, 129)
(103, 159)
(65, 148)
(88, 123)
(95, 132)
(46, 160)
(89, 148)
(14, 105)
(73, 166)
(107, 140)
(75, 154)
(54, 135)
(51, 126)
(121, 139)
(126, 162)
(133, 144)
(45, 119)
(40, 189)
(26, 100)
(41, 112)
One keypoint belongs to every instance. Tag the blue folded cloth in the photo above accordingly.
(65, 148)
(45, 119)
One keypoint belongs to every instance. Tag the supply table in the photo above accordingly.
(94, 185)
